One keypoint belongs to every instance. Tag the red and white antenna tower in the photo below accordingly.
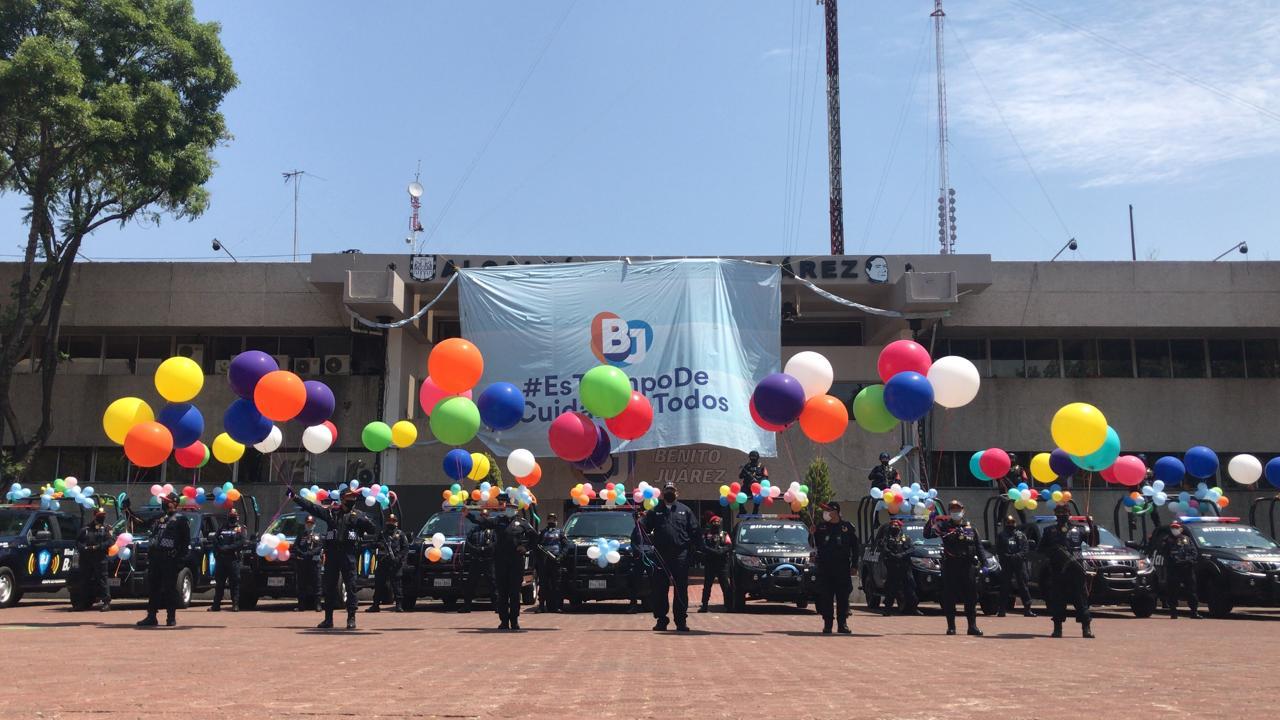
(415, 204)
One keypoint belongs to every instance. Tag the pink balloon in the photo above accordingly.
(430, 394)
(573, 436)
(901, 356)
(1109, 474)
(1129, 470)
(994, 462)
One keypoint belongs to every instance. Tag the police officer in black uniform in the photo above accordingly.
(753, 472)
(229, 544)
(1180, 556)
(882, 476)
(1062, 543)
(167, 554)
(962, 556)
(644, 564)
(900, 583)
(1016, 473)
(715, 554)
(393, 544)
(341, 543)
(514, 536)
(478, 556)
(673, 528)
(1012, 547)
(837, 548)
(92, 545)
(552, 545)
(306, 566)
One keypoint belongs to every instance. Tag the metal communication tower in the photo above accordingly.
(833, 125)
(946, 193)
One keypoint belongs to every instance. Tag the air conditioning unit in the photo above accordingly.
(195, 352)
(337, 364)
(306, 366)
(282, 361)
(221, 367)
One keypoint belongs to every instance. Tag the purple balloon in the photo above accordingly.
(319, 405)
(247, 369)
(779, 399)
(600, 455)
(1061, 464)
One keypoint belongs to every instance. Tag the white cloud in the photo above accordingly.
(776, 53)
(1097, 112)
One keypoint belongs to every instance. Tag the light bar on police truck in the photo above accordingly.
(753, 516)
(1184, 519)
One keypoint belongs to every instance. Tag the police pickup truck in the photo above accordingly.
(274, 579)
(449, 580)
(37, 550)
(584, 578)
(772, 559)
(1118, 574)
(1238, 564)
(926, 562)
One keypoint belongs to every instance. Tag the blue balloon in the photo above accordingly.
(244, 423)
(1201, 462)
(975, 465)
(1169, 470)
(1273, 471)
(446, 553)
(457, 463)
(501, 406)
(1102, 458)
(724, 501)
(184, 421)
(908, 396)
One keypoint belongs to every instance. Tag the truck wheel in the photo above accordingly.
(1143, 606)
(990, 603)
(184, 586)
(1220, 605)
(9, 592)
(739, 601)
(248, 598)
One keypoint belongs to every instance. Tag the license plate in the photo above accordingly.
(442, 582)
(275, 582)
(113, 582)
(597, 584)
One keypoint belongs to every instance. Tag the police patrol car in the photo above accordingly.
(583, 578)
(1238, 564)
(447, 580)
(772, 559)
(37, 550)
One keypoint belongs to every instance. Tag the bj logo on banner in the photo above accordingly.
(620, 342)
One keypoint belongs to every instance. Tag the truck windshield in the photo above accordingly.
(1106, 539)
(600, 524)
(452, 524)
(12, 521)
(147, 519)
(916, 533)
(291, 525)
(1244, 537)
(773, 534)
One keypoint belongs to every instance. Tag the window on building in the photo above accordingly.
(269, 345)
(80, 355)
(450, 328)
(820, 333)
(1080, 358)
(943, 467)
(152, 350)
(110, 466)
(121, 355)
(1262, 358)
(1115, 359)
(1153, 358)
(1188, 358)
(43, 468)
(332, 345)
(1042, 359)
(367, 355)
(1007, 359)
(845, 392)
(975, 351)
(215, 473)
(298, 347)
(1226, 358)
(76, 463)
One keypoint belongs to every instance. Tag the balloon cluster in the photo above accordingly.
(732, 494)
(275, 548)
(605, 552)
(912, 383)
(269, 394)
(1191, 503)
(797, 495)
(375, 494)
(147, 438)
(437, 550)
(1152, 496)
(800, 392)
(53, 493)
(526, 470)
(646, 495)
(1053, 495)
(485, 493)
(17, 493)
(582, 494)
(446, 396)
(605, 392)
(460, 464)
(378, 436)
(121, 547)
(1023, 497)
(455, 496)
(523, 497)
(898, 499)
(989, 464)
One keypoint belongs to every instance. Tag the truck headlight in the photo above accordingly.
(1145, 566)
(926, 563)
(751, 562)
(1241, 566)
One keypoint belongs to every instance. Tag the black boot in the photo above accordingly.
(1086, 630)
(951, 627)
(106, 607)
(1028, 612)
(660, 625)
(703, 608)
(504, 625)
(170, 619)
(826, 627)
(974, 631)
(1195, 615)
(148, 621)
(351, 620)
(397, 607)
(1000, 614)
(515, 625)
(327, 623)
(843, 628)
(235, 607)
(373, 608)
(464, 608)
(214, 608)
(1057, 629)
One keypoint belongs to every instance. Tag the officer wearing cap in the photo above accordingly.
(715, 553)
(392, 547)
(229, 544)
(962, 556)
(837, 550)
(1016, 473)
(900, 582)
(514, 536)
(1062, 543)
(170, 543)
(478, 558)
(1180, 556)
(1012, 547)
(92, 545)
(753, 472)
(306, 565)
(552, 547)
(674, 530)
(882, 476)
(341, 542)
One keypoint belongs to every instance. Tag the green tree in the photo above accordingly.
(495, 470)
(109, 112)
(818, 478)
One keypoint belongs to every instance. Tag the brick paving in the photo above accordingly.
(604, 663)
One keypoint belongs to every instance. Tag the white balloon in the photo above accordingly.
(437, 540)
(613, 556)
(520, 462)
(272, 441)
(593, 552)
(955, 381)
(270, 540)
(812, 370)
(1245, 469)
(316, 439)
(370, 501)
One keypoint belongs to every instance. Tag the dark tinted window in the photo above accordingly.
(1079, 358)
(121, 354)
(297, 347)
(155, 347)
(1188, 358)
(269, 345)
(112, 467)
(826, 334)
(1153, 358)
(604, 523)
(225, 348)
(81, 354)
(773, 534)
(1006, 359)
(1042, 359)
(1226, 358)
(366, 355)
(454, 524)
(1262, 358)
(69, 526)
(74, 462)
(1115, 359)
(975, 351)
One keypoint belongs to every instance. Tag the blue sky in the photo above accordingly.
(700, 128)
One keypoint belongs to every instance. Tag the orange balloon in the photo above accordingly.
(475, 495)
(532, 478)
(113, 550)
(455, 365)
(824, 418)
(148, 444)
(283, 547)
(280, 395)
(446, 494)
(1223, 501)
(433, 554)
(1066, 496)
(233, 495)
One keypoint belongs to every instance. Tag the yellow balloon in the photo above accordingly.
(179, 379)
(227, 450)
(1079, 428)
(479, 467)
(403, 434)
(1041, 470)
(122, 415)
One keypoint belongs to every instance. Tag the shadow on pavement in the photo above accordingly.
(819, 633)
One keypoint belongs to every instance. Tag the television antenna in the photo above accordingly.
(295, 176)
(415, 190)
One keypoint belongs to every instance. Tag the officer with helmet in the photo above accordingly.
(882, 476)
(962, 556)
(1180, 557)
(1063, 543)
(1012, 547)
(900, 583)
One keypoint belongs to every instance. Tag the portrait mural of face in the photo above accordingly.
(877, 269)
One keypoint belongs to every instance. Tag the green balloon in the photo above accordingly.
(376, 436)
(59, 484)
(605, 391)
(454, 421)
(869, 410)
(207, 455)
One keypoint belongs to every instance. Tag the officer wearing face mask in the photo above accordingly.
(552, 546)
(716, 546)
(1180, 557)
(1016, 473)
(836, 544)
(962, 556)
(306, 564)
(753, 472)
(882, 476)
(167, 554)
(1012, 547)
(1062, 544)
(514, 536)
(229, 544)
(674, 530)
(478, 557)
(393, 544)
(341, 543)
(92, 545)
(900, 583)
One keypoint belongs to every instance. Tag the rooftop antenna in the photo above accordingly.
(946, 193)
(296, 177)
(832, 24)
(415, 203)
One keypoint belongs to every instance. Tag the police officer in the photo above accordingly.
(341, 543)
(1016, 473)
(674, 530)
(514, 536)
(715, 553)
(644, 565)
(170, 544)
(837, 549)
(393, 544)
(478, 557)
(229, 544)
(962, 556)
(551, 549)
(753, 472)
(306, 567)
(882, 476)
(900, 583)
(1180, 556)
(1012, 547)
(1062, 543)
(92, 545)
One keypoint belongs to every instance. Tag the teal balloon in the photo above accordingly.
(1102, 458)
(975, 467)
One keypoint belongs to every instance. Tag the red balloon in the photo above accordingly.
(191, 456)
(901, 356)
(994, 462)
(1129, 470)
(189, 491)
(735, 487)
(573, 436)
(333, 429)
(762, 422)
(634, 421)
(1109, 474)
